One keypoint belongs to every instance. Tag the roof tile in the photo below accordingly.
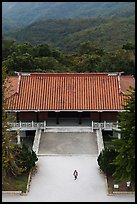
(68, 92)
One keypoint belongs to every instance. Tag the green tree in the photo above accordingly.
(26, 157)
(9, 161)
(86, 63)
(48, 64)
(125, 160)
(20, 63)
(25, 48)
(42, 50)
(15, 159)
(105, 160)
(119, 60)
(91, 48)
(6, 47)
(129, 46)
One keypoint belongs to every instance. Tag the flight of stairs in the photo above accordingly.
(68, 129)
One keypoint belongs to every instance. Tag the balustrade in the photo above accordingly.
(28, 125)
(42, 125)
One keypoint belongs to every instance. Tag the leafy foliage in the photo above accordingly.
(125, 160)
(90, 57)
(9, 161)
(18, 14)
(105, 160)
(15, 160)
(111, 32)
(119, 161)
(26, 157)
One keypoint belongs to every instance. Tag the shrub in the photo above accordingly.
(26, 158)
(105, 160)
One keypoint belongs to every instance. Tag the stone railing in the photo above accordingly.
(42, 125)
(28, 125)
(104, 125)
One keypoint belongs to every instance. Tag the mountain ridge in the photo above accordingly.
(16, 15)
(68, 34)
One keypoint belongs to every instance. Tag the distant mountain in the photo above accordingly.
(16, 15)
(67, 34)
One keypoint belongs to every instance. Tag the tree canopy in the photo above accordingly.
(89, 57)
(15, 159)
(9, 161)
(125, 160)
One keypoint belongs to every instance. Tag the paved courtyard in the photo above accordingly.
(54, 182)
(68, 143)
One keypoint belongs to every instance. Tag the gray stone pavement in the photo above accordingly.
(54, 182)
(68, 143)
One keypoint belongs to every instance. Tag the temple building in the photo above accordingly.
(37, 100)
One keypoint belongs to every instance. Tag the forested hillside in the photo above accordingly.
(89, 57)
(16, 15)
(66, 35)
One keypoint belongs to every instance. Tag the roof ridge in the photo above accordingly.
(19, 79)
(119, 85)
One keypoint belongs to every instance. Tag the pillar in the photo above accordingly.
(100, 117)
(80, 119)
(17, 117)
(37, 117)
(57, 117)
(119, 135)
(18, 138)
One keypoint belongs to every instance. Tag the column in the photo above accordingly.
(18, 138)
(17, 117)
(37, 116)
(119, 136)
(92, 126)
(57, 117)
(44, 126)
(80, 119)
(100, 117)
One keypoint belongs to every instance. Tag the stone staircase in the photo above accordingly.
(68, 129)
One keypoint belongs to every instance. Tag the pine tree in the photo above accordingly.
(125, 161)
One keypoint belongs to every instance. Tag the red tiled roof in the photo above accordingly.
(69, 92)
(124, 80)
(11, 86)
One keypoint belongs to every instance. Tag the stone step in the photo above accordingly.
(68, 129)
